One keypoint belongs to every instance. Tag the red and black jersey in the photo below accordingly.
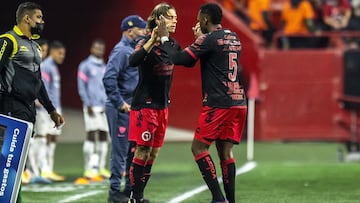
(219, 53)
(155, 75)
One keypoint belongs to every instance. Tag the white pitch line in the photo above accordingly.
(245, 168)
(80, 196)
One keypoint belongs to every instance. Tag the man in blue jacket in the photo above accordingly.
(120, 80)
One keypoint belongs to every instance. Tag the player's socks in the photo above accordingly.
(102, 152)
(40, 153)
(137, 171)
(93, 170)
(88, 150)
(31, 162)
(147, 173)
(129, 159)
(50, 155)
(228, 173)
(208, 171)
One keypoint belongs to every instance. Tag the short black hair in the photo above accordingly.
(26, 8)
(56, 45)
(213, 11)
(98, 41)
(42, 41)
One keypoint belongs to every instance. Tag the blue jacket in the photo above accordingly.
(120, 78)
(89, 80)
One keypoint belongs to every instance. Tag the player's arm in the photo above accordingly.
(137, 57)
(6, 48)
(142, 48)
(117, 61)
(45, 101)
(347, 15)
(181, 57)
(151, 42)
(190, 54)
(82, 83)
(44, 98)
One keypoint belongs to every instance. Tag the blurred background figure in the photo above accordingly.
(238, 7)
(45, 127)
(44, 45)
(297, 17)
(260, 19)
(120, 81)
(37, 149)
(337, 14)
(317, 6)
(354, 22)
(93, 97)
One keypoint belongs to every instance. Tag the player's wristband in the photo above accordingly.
(163, 39)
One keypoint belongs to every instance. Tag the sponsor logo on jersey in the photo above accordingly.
(24, 49)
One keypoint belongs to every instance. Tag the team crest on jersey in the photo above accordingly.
(23, 48)
(146, 136)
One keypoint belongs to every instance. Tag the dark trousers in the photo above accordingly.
(17, 108)
(119, 129)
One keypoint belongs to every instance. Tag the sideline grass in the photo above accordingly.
(292, 172)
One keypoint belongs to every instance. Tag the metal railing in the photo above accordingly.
(338, 35)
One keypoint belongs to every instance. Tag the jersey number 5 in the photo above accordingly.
(233, 66)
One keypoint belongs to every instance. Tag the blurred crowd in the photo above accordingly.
(300, 23)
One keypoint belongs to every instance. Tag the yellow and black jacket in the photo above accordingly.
(20, 59)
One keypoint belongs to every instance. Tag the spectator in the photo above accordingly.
(260, 20)
(317, 6)
(297, 17)
(319, 24)
(336, 14)
(354, 22)
(239, 7)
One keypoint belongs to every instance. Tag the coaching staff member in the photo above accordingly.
(20, 75)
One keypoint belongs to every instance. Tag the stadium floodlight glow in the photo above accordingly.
(14, 144)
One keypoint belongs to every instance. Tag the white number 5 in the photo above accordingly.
(233, 66)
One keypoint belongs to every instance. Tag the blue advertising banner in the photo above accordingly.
(14, 143)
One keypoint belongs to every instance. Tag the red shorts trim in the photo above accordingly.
(148, 126)
(220, 124)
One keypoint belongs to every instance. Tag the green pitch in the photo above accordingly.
(292, 172)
